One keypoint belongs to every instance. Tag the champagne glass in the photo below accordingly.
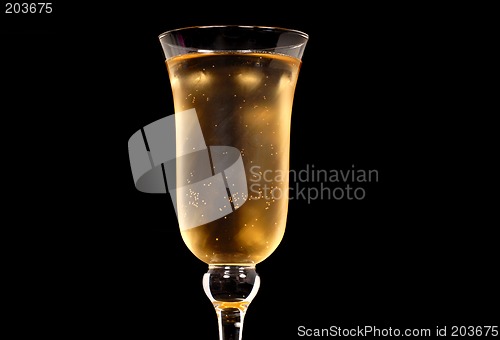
(233, 88)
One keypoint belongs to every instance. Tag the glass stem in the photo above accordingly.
(230, 323)
(231, 289)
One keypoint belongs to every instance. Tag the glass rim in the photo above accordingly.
(277, 28)
(302, 34)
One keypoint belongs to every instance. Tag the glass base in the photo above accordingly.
(231, 289)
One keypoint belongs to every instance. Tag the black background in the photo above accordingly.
(396, 89)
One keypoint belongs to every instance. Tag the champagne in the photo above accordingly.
(243, 100)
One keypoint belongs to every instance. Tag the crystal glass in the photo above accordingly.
(233, 89)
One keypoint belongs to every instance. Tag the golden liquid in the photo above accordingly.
(242, 100)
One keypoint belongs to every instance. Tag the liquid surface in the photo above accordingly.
(242, 100)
